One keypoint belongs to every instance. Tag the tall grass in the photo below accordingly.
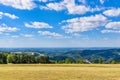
(60, 72)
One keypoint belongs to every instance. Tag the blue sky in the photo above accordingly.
(59, 23)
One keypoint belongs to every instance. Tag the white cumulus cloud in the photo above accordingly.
(68, 5)
(71, 7)
(38, 25)
(1, 15)
(84, 23)
(55, 6)
(19, 4)
(28, 35)
(5, 28)
(102, 1)
(50, 34)
(112, 12)
(12, 16)
(14, 36)
(82, 1)
(113, 25)
(110, 31)
(43, 0)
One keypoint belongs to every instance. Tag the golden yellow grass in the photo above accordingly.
(60, 72)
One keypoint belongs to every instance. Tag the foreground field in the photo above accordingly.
(60, 72)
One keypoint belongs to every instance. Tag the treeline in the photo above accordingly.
(6, 58)
(84, 61)
(15, 58)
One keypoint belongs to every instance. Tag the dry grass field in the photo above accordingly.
(60, 72)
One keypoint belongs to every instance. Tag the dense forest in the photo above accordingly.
(89, 56)
(61, 56)
(16, 58)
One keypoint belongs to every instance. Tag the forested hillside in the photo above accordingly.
(61, 56)
(22, 58)
(91, 55)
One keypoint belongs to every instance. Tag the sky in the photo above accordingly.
(59, 23)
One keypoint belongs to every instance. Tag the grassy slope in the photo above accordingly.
(60, 72)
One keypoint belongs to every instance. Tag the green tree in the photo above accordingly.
(80, 61)
(9, 58)
(68, 61)
(113, 62)
(15, 58)
(42, 59)
(100, 60)
(3, 58)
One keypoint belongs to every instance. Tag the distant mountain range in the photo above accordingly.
(91, 54)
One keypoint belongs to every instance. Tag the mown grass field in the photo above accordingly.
(60, 72)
